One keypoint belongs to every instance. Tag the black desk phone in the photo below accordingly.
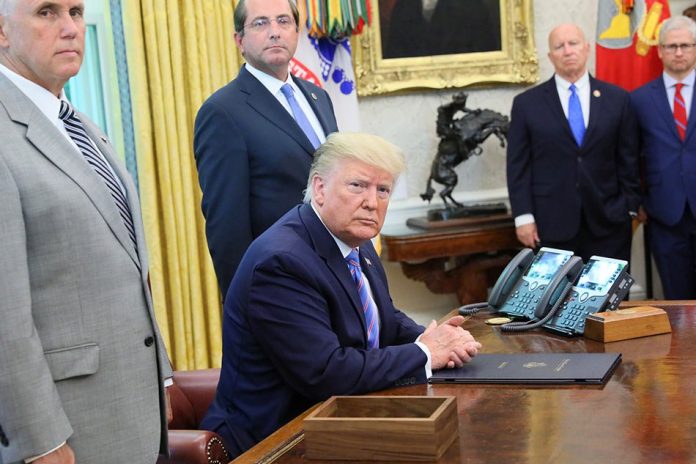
(542, 290)
(603, 283)
(526, 295)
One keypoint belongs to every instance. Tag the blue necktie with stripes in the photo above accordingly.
(77, 133)
(368, 305)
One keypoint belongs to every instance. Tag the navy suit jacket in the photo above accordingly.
(294, 332)
(549, 176)
(670, 164)
(253, 163)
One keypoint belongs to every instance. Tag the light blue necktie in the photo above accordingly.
(299, 115)
(368, 305)
(575, 119)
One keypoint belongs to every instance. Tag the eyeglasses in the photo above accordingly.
(263, 23)
(672, 48)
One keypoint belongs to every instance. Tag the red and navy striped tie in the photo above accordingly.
(77, 133)
(368, 305)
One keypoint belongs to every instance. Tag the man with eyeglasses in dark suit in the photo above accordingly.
(252, 143)
(668, 143)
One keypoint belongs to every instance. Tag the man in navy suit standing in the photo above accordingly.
(572, 159)
(309, 315)
(668, 143)
(255, 137)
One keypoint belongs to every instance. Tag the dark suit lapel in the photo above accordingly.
(261, 101)
(661, 105)
(596, 102)
(326, 247)
(53, 145)
(691, 122)
(553, 102)
(313, 99)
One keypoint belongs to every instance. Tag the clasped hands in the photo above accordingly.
(450, 346)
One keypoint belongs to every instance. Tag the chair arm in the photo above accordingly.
(195, 447)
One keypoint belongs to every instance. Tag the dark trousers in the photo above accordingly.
(674, 250)
(616, 244)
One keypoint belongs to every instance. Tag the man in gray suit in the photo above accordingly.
(82, 366)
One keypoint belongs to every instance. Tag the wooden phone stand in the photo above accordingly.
(622, 324)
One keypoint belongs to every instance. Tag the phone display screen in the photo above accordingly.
(545, 266)
(598, 276)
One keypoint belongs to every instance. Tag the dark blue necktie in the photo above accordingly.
(77, 133)
(299, 115)
(575, 119)
(368, 305)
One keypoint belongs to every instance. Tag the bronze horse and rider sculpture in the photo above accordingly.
(460, 139)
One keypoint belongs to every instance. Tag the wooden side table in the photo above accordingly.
(463, 256)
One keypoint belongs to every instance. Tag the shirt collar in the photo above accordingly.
(271, 83)
(581, 83)
(48, 103)
(343, 247)
(671, 82)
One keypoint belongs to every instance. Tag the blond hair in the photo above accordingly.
(367, 148)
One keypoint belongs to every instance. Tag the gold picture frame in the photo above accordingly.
(515, 62)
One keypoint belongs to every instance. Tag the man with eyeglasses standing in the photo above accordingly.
(668, 142)
(255, 137)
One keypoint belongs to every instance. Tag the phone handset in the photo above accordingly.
(509, 277)
(506, 282)
(553, 296)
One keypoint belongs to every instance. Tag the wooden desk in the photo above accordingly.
(645, 413)
(465, 259)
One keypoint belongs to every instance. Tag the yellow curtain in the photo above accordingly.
(179, 52)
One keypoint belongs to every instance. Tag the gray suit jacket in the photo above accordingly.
(81, 358)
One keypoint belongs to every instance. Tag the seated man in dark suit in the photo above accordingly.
(308, 314)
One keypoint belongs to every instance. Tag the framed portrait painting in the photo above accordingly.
(445, 43)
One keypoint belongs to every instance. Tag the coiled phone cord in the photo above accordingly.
(473, 308)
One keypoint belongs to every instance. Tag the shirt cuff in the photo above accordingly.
(34, 458)
(524, 219)
(428, 364)
(168, 382)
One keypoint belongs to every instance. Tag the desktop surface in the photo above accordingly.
(646, 412)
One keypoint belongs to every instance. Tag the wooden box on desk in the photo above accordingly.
(624, 324)
(382, 428)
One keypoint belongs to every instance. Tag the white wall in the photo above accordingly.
(480, 177)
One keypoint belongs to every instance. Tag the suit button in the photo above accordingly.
(149, 341)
